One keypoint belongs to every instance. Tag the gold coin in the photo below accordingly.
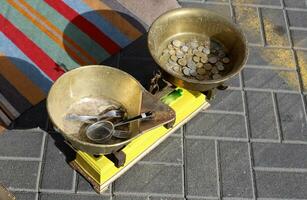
(172, 52)
(204, 59)
(170, 46)
(177, 43)
(214, 70)
(174, 58)
(182, 62)
(196, 59)
(208, 66)
(199, 65)
(226, 60)
(201, 71)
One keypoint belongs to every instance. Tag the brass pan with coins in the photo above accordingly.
(171, 37)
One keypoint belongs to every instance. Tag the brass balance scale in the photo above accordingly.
(174, 105)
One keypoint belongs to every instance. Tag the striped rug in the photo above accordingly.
(40, 39)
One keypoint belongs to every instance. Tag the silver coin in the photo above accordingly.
(208, 66)
(201, 71)
(193, 72)
(179, 54)
(226, 60)
(200, 48)
(214, 70)
(206, 51)
(212, 59)
(177, 43)
(186, 71)
(184, 48)
(191, 64)
(194, 44)
(220, 66)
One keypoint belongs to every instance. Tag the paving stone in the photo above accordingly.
(292, 116)
(261, 115)
(299, 38)
(116, 197)
(53, 196)
(247, 18)
(228, 100)
(235, 170)
(19, 174)
(84, 186)
(234, 81)
(168, 151)
(275, 27)
(302, 61)
(217, 125)
(273, 57)
(223, 10)
(165, 198)
(297, 18)
(21, 143)
(279, 155)
(258, 2)
(145, 178)
(295, 3)
(25, 195)
(288, 185)
(270, 79)
(200, 168)
(56, 166)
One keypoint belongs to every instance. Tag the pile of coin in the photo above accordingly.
(194, 59)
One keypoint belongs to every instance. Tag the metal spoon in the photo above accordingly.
(103, 130)
(115, 113)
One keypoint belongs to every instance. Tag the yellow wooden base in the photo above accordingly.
(100, 172)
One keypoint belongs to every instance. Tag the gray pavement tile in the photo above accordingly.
(258, 2)
(302, 60)
(53, 196)
(279, 155)
(273, 57)
(56, 166)
(288, 185)
(223, 10)
(299, 38)
(217, 125)
(235, 170)
(146, 178)
(21, 143)
(261, 116)
(275, 27)
(247, 18)
(228, 100)
(168, 151)
(270, 79)
(297, 18)
(200, 168)
(295, 3)
(165, 198)
(234, 81)
(25, 195)
(117, 197)
(292, 117)
(84, 186)
(19, 174)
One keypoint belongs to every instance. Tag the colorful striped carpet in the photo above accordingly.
(39, 40)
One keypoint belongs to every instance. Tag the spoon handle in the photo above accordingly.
(141, 116)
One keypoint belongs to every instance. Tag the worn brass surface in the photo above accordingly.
(95, 82)
(203, 25)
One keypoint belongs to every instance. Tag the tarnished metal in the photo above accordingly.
(197, 23)
(95, 84)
